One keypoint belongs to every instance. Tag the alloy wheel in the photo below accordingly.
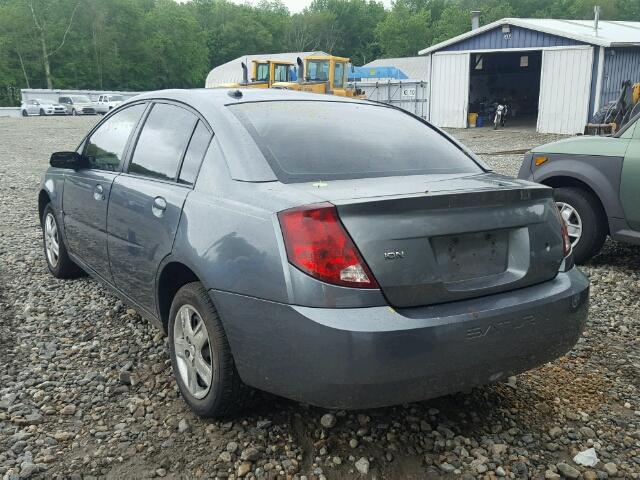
(573, 220)
(193, 353)
(51, 240)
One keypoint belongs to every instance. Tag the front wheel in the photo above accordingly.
(42, 113)
(73, 112)
(24, 113)
(58, 261)
(201, 357)
(585, 219)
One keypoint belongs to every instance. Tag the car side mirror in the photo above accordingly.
(72, 160)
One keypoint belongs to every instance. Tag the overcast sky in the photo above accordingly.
(294, 6)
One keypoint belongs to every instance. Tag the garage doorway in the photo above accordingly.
(514, 77)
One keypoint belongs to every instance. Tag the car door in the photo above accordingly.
(630, 179)
(146, 202)
(86, 191)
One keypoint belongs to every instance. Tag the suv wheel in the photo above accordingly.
(73, 112)
(55, 251)
(200, 355)
(585, 221)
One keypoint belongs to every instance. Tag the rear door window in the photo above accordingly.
(162, 142)
(105, 147)
(195, 153)
(326, 140)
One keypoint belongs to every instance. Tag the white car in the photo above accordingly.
(108, 102)
(39, 107)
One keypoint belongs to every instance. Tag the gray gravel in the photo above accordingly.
(86, 388)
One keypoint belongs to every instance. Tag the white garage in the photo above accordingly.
(554, 74)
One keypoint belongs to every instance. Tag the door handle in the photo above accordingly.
(98, 193)
(159, 206)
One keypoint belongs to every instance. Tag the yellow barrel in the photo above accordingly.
(472, 118)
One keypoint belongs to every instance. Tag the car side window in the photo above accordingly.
(105, 148)
(162, 142)
(195, 152)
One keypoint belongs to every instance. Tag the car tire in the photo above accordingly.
(60, 265)
(73, 112)
(592, 220)
(24, 113)
(193, 311)
(42, 114)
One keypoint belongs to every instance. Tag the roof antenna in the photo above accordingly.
(596, 18)
(237, 94)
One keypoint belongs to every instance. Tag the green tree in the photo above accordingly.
(405, 30)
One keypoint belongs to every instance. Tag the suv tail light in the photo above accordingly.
(566, 240)
(318, 244)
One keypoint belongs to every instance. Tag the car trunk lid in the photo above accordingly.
(434, 239)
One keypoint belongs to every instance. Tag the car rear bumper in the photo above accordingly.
(377, 356)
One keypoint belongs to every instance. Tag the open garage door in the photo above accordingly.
(449, 89)
(564, 90)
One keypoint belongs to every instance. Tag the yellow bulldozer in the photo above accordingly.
(321, 74)
(264, 73)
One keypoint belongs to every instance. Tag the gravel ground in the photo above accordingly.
(86, 388)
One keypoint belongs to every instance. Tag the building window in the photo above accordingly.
(478, 65)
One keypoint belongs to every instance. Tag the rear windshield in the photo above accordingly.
(306, 141)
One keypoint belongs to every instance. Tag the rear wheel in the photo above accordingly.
(586, 222)
(58, 261)
(200, 355)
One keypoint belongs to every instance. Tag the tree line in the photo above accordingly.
(154, 44)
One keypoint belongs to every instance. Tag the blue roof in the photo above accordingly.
(358, 73)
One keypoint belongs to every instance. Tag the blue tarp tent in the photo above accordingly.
(359, 73)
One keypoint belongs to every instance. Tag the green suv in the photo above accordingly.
(597, 186)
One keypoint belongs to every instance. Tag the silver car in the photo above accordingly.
(40, 107)
(334, 251)
(78, 105)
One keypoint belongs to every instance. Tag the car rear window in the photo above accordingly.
(315, 140)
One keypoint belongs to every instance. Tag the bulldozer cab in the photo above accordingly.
(321, 74)
(326, 69)
(270, 71)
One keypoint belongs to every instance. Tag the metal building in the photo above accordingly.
(553, 73)
(416, 68)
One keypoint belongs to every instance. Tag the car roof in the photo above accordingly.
(225, 96)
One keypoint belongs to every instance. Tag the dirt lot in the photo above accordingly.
(86, 388)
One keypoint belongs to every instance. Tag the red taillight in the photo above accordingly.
(566, 241)
(318, 244)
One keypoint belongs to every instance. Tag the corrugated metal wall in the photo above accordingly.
(518, 38)
(620, 64)
(449, 89)
(564, 90)
(408, 95)
(594, 82)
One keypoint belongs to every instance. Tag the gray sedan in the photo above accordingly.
(334, 251)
